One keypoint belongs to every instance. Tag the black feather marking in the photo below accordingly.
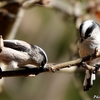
(80, 29)
(17, 46)
(44, 59)
(88, 86)
(33, 46)
(32, 51)
(89, 30)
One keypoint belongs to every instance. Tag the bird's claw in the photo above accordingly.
(84, 65)
(97, 66)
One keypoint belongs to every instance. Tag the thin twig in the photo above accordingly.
(77, 62)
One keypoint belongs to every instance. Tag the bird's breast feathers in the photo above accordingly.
(88, 47)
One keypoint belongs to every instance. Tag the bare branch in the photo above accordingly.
(77, 62)
(26, 71)
(8, 16)
(23, 72)
(56, 4)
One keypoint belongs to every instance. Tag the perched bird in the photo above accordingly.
(89, 41)
(17, 53)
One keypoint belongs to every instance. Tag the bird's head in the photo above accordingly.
(41, 56)
(88, 28)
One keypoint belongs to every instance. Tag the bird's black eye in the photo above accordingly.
(87, 36)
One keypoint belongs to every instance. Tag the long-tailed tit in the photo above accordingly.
(89, 41)
(17, 53)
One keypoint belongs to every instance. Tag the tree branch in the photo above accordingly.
(47, 3)
(26, 71)
(23, 72)
(56, 4)
(78, 62)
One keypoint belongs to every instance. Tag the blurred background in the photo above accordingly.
(53, 25)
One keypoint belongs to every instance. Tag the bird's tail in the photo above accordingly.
(88, 80)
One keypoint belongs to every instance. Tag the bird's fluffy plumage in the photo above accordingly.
(89, 41)
(17, 53)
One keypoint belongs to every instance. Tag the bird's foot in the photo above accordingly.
(84, 65)
(88, 67)
(97, 66)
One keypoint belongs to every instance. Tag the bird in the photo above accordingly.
(18, 53)
(89, 32)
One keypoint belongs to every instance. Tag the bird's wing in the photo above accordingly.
(17, 45)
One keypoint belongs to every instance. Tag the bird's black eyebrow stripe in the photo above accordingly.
(80, 29)
(89, 30)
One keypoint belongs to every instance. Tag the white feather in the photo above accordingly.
(87, 24)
